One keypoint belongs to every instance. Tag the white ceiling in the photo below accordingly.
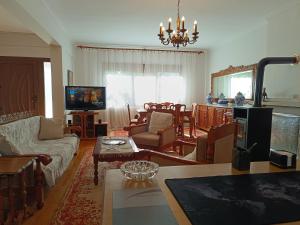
(136, 22)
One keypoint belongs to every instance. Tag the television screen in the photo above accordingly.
(85, 98)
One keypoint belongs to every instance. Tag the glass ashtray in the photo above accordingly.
(139, 170)
(113, 141)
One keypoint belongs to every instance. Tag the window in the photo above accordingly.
(231, 84)
(137, 89)
(242, 84)
(48, 90)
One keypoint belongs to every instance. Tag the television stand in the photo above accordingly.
(85, 119)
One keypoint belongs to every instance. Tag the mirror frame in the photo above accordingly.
(231, 70)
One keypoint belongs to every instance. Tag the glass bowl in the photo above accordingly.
(139, 170)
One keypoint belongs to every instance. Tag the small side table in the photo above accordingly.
(11, 169)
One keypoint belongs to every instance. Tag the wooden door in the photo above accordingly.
(22, 85)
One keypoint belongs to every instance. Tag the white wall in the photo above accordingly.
(23, 45)
(279, 35)
(284, 40)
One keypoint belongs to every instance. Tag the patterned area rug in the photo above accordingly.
(83, 201)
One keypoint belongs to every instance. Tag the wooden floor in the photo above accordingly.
(55, 195)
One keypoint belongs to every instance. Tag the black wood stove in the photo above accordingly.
(255, 122)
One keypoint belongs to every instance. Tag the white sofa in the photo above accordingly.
(23, 134)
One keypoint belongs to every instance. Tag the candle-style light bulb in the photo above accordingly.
(182, 19)
(195, 26)
(174, 33)
(170, 21)
(160, 27)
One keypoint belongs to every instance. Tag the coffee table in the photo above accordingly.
(109, 153)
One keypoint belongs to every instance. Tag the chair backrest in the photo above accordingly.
(194, 109)
(177, 109)
(149, 105)
(166, 105)
(220, 143)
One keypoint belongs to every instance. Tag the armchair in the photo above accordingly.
(215, 147)
(157, 134)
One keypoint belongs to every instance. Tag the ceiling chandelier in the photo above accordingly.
(180, 35)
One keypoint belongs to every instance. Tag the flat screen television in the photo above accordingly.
(85, 98)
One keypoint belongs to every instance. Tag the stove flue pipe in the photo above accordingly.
(261, 70)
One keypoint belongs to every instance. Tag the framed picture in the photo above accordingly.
(70, 78)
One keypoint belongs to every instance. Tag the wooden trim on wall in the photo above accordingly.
(140, 49)
(13, 58)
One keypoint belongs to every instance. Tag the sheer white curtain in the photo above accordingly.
(135, 77)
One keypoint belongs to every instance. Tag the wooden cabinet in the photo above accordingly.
(86, 121)
(210, 116)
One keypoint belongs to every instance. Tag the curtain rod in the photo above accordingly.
(138, 49)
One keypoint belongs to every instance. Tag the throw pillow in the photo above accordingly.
(160, 121)
(192, 155)
(51, 129)
(6, 147)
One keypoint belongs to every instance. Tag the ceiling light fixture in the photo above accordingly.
(180, 35)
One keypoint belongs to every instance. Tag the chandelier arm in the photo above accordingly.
(166, 42)
(192, 41)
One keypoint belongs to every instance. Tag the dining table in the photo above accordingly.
(178, 124)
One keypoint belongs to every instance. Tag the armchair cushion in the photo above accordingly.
(146, 138)
(51, 129)
(160, 121)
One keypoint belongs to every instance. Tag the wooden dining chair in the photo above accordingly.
(134, 120)
(191, 120)
(149, 105)
(166, 105)
(178, 108)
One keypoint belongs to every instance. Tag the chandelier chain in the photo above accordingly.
(178, 8)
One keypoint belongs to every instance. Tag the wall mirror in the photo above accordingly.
(233, 80)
